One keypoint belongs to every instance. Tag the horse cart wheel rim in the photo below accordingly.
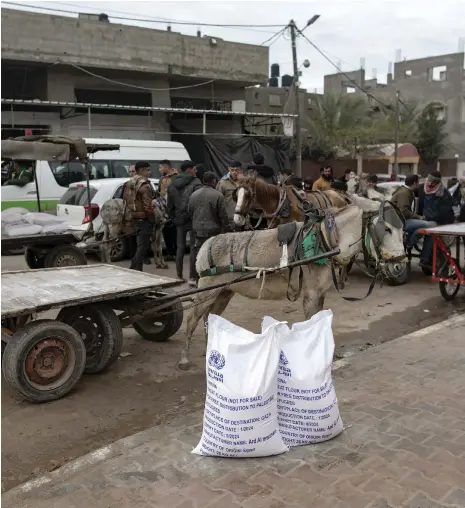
(65, 260)
(87, 325)
(153, 325)
(49, 363)
(397, 269)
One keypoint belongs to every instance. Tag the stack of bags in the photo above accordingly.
(22, 222)
(271, 391)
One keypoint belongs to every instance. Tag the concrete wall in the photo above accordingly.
(33, 37)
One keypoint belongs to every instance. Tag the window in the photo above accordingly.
(350, 89)
(438, 73)
(275, 100)
(77, 196)
(408, 73)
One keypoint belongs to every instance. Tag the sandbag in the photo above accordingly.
(16, 209)
(11, 217)
(42, 219)
(308, 411)
(240, 418)
(55, 228)
(22, 230)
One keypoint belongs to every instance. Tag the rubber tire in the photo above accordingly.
(52, 257)
(400, 281)
(19, 345)
(33, 261)
(110, 328)
(442, 287)
(171, 327)
(124, 251)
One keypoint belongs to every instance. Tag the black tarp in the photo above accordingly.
(218, 153)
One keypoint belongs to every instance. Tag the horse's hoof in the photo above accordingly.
(183, 365)
(164, 267)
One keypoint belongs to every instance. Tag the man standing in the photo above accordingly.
(266, 173)
(324, 182)
(228, 186)
(181, 188)
(208, 210)
(138, 199)
(169, 230)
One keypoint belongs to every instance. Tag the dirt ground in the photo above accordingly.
(145, 388)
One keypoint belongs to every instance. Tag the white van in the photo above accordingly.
(55, 177)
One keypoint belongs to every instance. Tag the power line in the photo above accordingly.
(150, 20)
(275, 36)
(368, 94)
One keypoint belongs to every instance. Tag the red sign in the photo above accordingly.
(28, 132)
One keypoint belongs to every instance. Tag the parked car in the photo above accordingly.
(73, 207)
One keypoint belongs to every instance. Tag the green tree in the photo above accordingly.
(430, 135)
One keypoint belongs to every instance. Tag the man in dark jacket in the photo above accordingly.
(138, 198)
(436, 206)
(209, 212)
(262, 171)
(181, 188)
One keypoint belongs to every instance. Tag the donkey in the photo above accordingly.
(264, 252)
(116, 221)
(365, 190)
(269, 201)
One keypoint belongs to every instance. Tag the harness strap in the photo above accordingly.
(350, 298)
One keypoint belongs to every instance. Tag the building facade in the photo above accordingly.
(437, 80)
(93, 61)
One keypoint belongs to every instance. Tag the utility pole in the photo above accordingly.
(396, 135)
(298, 140)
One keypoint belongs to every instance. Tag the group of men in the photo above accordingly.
(200, 208)
(196, 208)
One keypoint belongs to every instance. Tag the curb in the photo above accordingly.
(121, 446)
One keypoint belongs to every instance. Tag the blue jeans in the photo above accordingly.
(411, 228)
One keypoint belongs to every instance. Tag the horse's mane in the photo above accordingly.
(263, 191)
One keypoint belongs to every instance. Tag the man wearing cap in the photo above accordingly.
(138, 199)
(181, 188)
(228, 186)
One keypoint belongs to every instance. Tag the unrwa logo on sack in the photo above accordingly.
(217, 360)
(282, 359)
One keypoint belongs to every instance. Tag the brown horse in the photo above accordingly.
(278, 204)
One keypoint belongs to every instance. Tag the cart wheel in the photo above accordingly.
(119, 250)
(33, 260)
(160, 327)
(44, 360)
(100, 329)
(65, 255)
(398, 273)
(428, 271)
(449, 290)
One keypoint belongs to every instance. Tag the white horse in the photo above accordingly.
(264, 251)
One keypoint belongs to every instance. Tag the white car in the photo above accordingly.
(73, 207)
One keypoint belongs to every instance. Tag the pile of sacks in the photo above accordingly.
(270, 391)
(22, 222)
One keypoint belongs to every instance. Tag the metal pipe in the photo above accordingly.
(89, 198)
(89, 120)
(204, 124)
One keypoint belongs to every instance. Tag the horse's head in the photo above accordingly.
(385, 226)
(244, 196)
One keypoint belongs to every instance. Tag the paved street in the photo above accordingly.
(404, 446)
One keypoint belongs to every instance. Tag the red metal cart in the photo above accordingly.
(448, 270)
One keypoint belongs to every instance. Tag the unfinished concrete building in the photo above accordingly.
(437, 80)
(88, 59)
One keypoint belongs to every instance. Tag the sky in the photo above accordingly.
(346, 31)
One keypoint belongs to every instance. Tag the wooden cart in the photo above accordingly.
(448, 269)
(43, 359)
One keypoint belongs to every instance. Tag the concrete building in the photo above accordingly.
(438, 80)
(89, 59)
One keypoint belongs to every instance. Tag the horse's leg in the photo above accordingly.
(311, 294)
(219, 305)
(159, 246)
(105, 246)
(202, 305)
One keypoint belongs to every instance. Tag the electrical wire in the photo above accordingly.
(148, 20)
(270, 40)
(152, 18)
